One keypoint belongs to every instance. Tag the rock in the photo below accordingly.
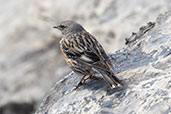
(145, 68)
(30, 59)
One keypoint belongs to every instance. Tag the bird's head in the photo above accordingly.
(69, 27)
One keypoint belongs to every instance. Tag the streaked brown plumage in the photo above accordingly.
(84, 54)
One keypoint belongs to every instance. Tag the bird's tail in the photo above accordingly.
(111, 79)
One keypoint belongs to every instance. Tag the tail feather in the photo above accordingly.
(111, 79)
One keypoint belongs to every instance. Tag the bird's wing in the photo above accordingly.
(85, 49)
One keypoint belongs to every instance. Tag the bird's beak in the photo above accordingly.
(57, 27)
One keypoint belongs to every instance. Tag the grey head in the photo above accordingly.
(69, 27)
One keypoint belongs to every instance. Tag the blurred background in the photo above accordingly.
(30, 59)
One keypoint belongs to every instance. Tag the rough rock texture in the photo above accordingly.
(145, 68)
(30, 60)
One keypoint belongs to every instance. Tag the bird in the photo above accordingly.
(84, 54)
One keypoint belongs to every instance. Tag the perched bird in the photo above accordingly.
(84, 54)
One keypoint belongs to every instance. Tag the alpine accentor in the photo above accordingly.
(84, 54)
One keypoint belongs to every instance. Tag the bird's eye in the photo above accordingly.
(62, 26)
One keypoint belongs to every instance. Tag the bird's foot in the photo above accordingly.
(82, 81)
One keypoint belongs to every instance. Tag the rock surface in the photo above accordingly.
(30, 60)
(145, 68)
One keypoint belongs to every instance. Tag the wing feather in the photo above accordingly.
(86, 50)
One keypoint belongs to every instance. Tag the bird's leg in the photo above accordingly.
(89, 77)
(80, 83)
